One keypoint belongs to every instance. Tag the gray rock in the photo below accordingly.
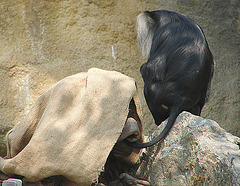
(197, 151)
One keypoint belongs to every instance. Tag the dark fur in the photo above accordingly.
(179, 68)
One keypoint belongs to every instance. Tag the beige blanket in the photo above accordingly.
(72, 127)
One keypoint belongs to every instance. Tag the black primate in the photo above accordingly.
(177, 75)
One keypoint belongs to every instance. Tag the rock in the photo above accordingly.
(11, 181)
(197, 151)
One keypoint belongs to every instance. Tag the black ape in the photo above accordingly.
(177, 75)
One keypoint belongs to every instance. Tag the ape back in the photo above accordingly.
(177, 75)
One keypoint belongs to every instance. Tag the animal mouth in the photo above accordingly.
(131, 131)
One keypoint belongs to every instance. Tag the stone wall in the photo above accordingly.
(44, 41)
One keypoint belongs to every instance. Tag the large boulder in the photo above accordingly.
(197, 151)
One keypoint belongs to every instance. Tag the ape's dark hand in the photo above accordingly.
(128, 180)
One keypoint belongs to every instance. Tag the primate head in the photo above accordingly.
(177, 75)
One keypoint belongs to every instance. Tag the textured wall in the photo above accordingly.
(43, 41)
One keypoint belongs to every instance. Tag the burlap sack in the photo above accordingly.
(72, 128)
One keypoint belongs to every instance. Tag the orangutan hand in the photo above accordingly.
(128, 180)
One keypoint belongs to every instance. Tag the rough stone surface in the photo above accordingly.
(44, 41)
(196, 152)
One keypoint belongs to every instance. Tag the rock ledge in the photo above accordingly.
(197, 151)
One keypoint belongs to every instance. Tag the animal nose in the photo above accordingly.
(131, 131)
